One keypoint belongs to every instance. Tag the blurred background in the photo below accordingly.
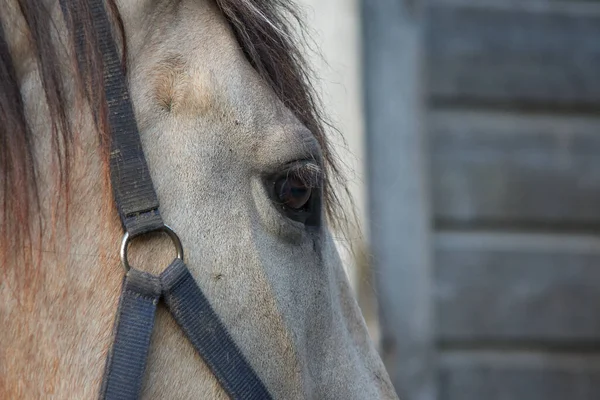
(472, 149)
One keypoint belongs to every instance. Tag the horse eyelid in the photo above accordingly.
(310, 173)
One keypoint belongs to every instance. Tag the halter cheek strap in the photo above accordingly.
(141, 292)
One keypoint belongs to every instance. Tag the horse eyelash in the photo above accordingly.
(309, 173)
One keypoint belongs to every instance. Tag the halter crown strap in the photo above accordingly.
(137, 204)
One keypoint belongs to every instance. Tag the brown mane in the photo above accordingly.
(263, 29)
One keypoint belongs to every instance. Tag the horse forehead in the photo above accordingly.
(177, 53)
(187, 64)
(193, 71)
(181, 90)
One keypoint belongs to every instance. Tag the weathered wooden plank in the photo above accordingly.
(517, 287)
(510, 56)
(571, 7)
(399, 230)
(511, 168)
(519, 376)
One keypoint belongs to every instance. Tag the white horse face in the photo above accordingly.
(225, 154)
(239, 178)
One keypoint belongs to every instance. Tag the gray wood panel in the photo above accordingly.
(536, 6)
(399, 231)
(515, 168)
(514, 376)
(503, 287)
(511, 56)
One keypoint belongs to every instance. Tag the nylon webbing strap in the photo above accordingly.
(138, 208)
(132, 186)
(126, 363)
(202, 326)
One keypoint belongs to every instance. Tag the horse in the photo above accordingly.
(244, 173)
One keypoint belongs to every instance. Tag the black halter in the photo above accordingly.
(137, 203)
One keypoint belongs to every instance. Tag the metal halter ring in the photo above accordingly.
(165, 229)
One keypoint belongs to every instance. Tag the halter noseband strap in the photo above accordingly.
(137, 204)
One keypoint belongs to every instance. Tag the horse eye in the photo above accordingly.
(292, 192)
